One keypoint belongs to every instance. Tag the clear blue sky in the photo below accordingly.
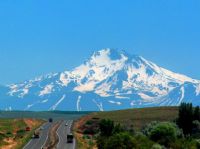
(41, 36)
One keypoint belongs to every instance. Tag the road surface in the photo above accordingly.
(38, 143)
(62, 132)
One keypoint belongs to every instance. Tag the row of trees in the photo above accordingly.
(189, 119)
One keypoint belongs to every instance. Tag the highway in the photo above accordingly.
(38, 143)
(61, 132)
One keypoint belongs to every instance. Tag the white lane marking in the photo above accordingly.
(27, 144)
(46, 138)
(32, 139)
(58, 135)
(74, 144)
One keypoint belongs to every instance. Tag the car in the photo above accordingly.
(70, 138)
(28, 129)
(50, 120)
(66, 124)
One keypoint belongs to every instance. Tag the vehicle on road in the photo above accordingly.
(70, 138)
(50, 120)
(36, 134)
(66, 124)
(28, 129)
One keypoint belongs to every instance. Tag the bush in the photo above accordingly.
(149, 127)
(118, 128)
(184, 144)
(101, 142)
(157, 146)
(121, 141)
(106, 127)
(143, 142)
(196, 129)
(164, 133)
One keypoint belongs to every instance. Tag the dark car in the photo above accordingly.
(50, 120)
(28, 129)
(70, 138)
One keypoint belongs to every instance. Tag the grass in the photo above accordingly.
(138, 118)
(132, 118)
(14, 129)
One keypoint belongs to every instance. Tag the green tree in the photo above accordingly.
(196, 113)
(196, 129)
(164, 133)
(106, 127)
(185, 118)
(121, 141)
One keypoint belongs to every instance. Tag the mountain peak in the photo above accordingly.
(113, 54)
(109, 79)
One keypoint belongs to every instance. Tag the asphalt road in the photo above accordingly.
(38, 143)
(62, 132)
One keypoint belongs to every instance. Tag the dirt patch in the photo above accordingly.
(11, 143)
(30, 122)
(79, 127)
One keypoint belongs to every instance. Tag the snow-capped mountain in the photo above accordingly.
(108, 80)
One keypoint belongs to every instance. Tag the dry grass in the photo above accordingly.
(139, 117)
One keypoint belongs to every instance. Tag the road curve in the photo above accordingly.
(62, 133)
(38, 143)
(53, 139)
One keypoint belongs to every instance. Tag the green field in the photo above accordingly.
(139, 117)
(13, 132)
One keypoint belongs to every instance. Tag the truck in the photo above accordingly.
(36, 134)
(70, 138)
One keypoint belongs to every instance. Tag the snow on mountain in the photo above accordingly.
(108, 80)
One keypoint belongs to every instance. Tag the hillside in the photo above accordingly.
(139, 117)
(134, 118)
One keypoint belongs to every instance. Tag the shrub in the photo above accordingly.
(184, 144)
(157, 146)
(164, 133)
(106, 127)
(118, 128)
(143, 142)
(101, 142)
(149, 127)
(121, 141)
(196, 129)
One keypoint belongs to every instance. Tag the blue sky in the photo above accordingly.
(37, 37)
